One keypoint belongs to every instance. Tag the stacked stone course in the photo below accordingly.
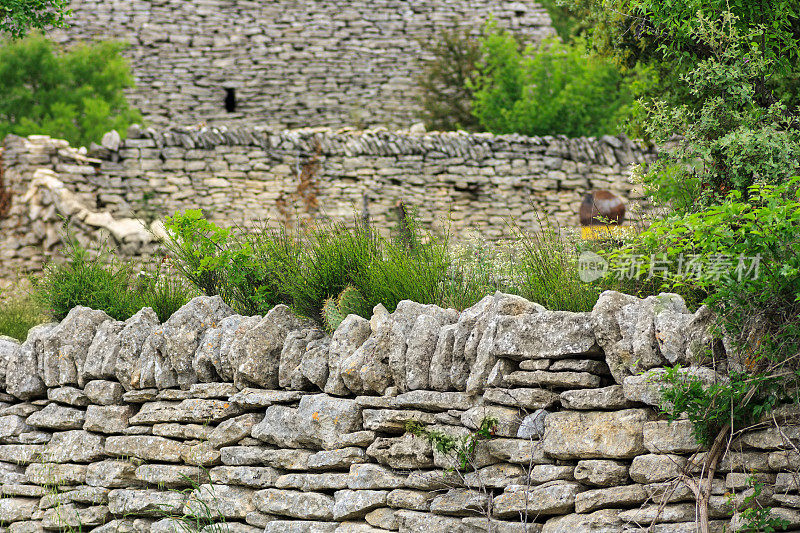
(290, 64)
(275, 426)
(461, 182)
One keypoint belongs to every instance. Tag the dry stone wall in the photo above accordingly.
(273, 425)
(288, 64)
(464, 183)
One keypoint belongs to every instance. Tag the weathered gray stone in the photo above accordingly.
(442, 358)
(233, 430)
(181, 431)
(213, 361)
(21, 454)
(604, 521)
(112, 474)
(12, 426)
(422, 343)
(108, 419)
(433, 401)
(604, 398)
(71, 516)
(557, 497)
(612, 497)
(406, 452)
(601, 472)
(460, 502)
(171, 476)
(625, 329)
(126, 502)
(595, 434)
(350, 368)
(68, 395)
(314, 366)
(495, 476)
(65, 347)
(247, 476)
(532, 426)
(683, 337)
(508, 420)
(545, 473)
(394, 421)
(665, 437)
(55, 474)
(222, 501)
(545, 378)
(522, 398)
(194, 410)
(372, 476)
(435, 480)
(101, 358)
(102, 392)
(132, 338)
(126, 525)
(320, 420)
(544, 335)
(17, 509)
(349, 504)
(340, 459)
(295, 346)
(347, 338)
(295, 504)
(145, 447)
(58, 417)
(416, 500)
(203, 454)
(492, 525)
(8, 347)
(517, 451)
(250, 398)
(12, 474)
(257, 353)
(22, 368)
(656, 468)
(300, 526)
(414, 522)
(252, 455)
(383, 518)
(74, 447)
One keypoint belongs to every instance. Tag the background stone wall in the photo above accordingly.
(464, 182)
(275, 426)
(291, 64)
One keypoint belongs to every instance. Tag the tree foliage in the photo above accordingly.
(17, 17)
(76, 95)
(546, 89)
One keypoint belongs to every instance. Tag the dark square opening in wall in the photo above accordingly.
(230, 99)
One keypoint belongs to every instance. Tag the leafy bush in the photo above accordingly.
(18, 316)
(547, 89)
(102, 282)
(17, 17)
(75, 95)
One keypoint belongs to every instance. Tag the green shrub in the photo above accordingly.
(101, 281)
(547, 89)
(17, 17)
(75, 95)
(18, 316)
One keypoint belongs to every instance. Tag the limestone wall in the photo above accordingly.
(275, 426)
(463, 182)
(291, 64)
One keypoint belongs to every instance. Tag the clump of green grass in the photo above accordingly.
(100, 281)
(19, 315)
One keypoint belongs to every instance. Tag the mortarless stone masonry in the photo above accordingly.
(469, 182)
(309, 436)
(290, 64)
